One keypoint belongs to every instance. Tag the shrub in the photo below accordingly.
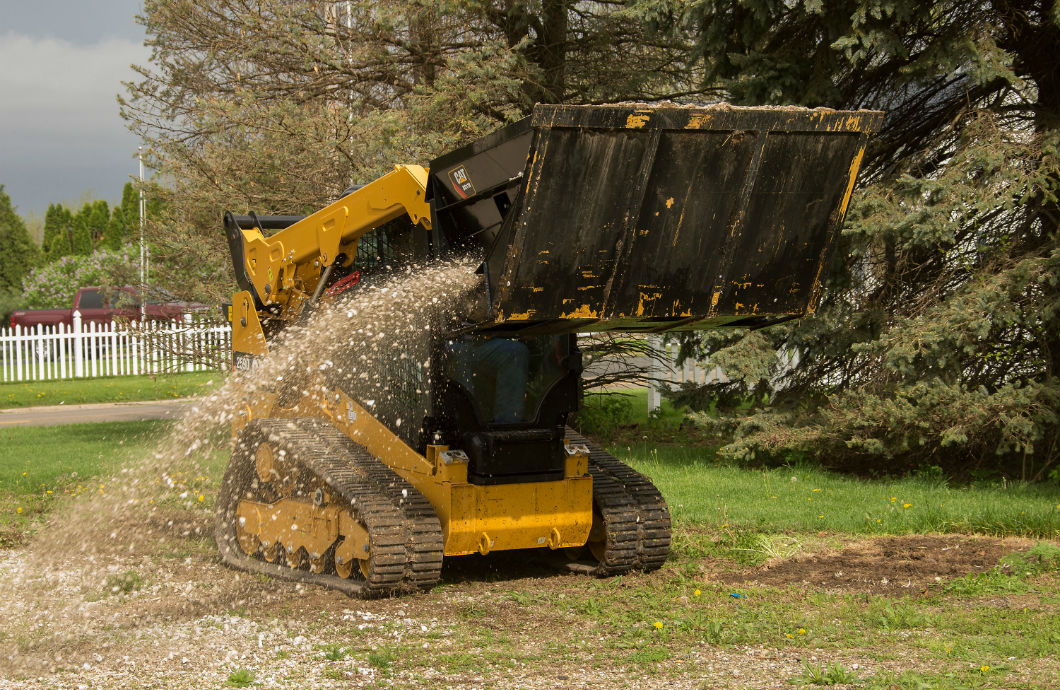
(602, 414)
(54, 285)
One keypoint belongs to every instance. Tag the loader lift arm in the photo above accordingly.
(282, 273)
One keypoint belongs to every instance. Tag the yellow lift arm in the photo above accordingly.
(285, 271)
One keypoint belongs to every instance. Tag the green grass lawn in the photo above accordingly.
(41, 465)
(703, 492)
(109, 389)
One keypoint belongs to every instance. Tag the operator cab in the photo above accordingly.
(502, 399)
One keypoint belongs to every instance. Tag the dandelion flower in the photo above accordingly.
(816, 490)
(802, 631)
(907, 505)
(19, 510)
(658, 625)
(697, 593)
(201, 498)
(984, 668)
(789, 636)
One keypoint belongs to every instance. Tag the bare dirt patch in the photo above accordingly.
(885, 565)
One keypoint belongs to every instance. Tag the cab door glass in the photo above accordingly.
(507, 378)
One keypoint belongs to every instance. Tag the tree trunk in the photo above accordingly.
(551, 48)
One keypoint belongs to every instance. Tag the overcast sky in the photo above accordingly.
(61, 66)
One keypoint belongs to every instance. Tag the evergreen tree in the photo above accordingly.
(20, 251)
(938, 341)
(124, 220)
(89, 226)
(58, 232)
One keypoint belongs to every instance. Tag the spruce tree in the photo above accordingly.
(124, 220)
(58, 232)
(938, 340)
(89, 226)
(20, 251)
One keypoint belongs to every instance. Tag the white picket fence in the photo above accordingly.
(702, 372)
(673, 375)
(112, 349)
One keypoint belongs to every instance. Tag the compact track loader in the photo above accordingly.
(623, 218)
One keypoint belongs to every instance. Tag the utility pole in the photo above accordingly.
(143, 251)
(349, 116)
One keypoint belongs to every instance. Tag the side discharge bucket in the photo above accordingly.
(654, 218)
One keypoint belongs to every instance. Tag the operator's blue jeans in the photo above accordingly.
(506, 361)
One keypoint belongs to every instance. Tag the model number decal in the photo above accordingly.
(243, 361)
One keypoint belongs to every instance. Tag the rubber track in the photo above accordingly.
(404, 532)
(636, 517)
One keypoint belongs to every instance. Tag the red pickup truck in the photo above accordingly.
(99, 306)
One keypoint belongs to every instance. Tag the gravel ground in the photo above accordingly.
(118, 592)
(165, 613)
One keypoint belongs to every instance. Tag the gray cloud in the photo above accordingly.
(60, 132)
(82, 22)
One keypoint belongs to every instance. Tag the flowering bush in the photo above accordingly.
(54, 285)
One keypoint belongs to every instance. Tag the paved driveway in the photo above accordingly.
(97, 412)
